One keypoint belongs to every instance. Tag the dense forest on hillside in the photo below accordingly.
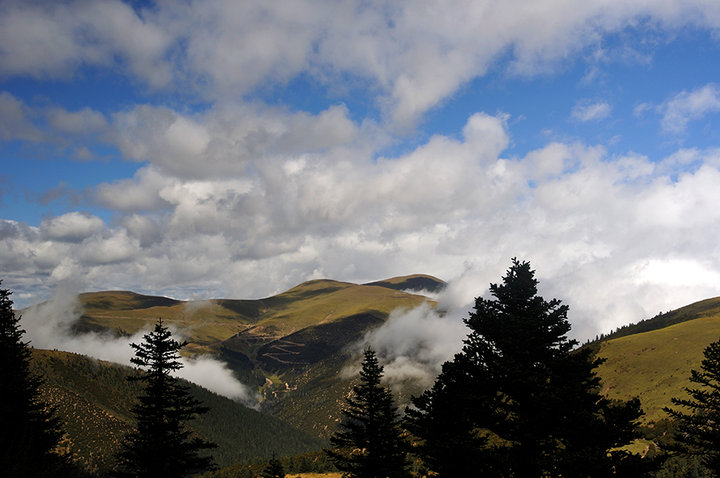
(94, 399)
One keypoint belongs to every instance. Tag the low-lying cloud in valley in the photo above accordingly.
(49, 326)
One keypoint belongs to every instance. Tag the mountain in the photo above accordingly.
(93, 399)
(292, 347)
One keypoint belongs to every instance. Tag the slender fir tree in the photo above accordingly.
(29, 431)
(518, 400)
(274, 469)
(698, 431)
(162, 445)
(370, 443)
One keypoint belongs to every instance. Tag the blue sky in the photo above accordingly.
(235, 149)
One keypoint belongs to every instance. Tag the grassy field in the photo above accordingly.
(655, 365)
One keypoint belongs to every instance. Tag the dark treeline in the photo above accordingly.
(519, 400)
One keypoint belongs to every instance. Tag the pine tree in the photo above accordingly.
(29, 432)
(698, 429)
(517, 400)
(370, 443)
(274, 469)
(162, 445)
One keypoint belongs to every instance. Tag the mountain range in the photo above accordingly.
(295, 349)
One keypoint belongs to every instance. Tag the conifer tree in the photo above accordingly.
(162, 445)
(29, 430)
(274, 469)
(369, 443)
(698, 431)
(517, 400)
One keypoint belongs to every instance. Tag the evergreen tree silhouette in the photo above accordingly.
(370, 443)
(274, 469)
(698, 432)
(162, 445)
(29, 431)
(518, 400)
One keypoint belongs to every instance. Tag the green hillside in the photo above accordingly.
(93, 398)
(655, 365)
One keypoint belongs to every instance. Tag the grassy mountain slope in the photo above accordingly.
(210, 321)
(93, 398)
(291, 346)
(655, 365)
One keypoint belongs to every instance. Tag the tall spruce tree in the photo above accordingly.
(29, 431)
(517, 400)
(370, 443)
(274, 469)
(698, 430)
(162, 445)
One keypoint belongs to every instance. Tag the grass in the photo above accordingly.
(212, 321)
(655, 365)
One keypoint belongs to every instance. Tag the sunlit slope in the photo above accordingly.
(209, 321)
(126, 312)
(655, 365)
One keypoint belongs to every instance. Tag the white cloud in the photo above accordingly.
(141, 193)
(54, 39)
(15, 120)
(585, 111)
(412, 55)
(414, 344)
(84, 121)
(72, 226)
(689, 105)
(223, 140)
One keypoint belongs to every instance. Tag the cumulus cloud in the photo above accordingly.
(84, 121)
(413, 56)
(54, 39)
(225, 139)
(49, 326)
(689, 105)
(71, 227)
(15, 120)
(585, 111)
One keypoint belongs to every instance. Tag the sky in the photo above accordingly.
(216, 148)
